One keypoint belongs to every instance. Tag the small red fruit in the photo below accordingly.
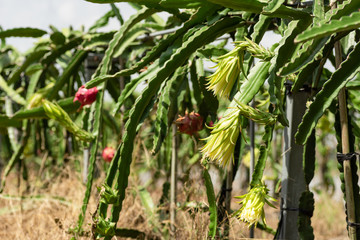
(85, 96)
(211, 124)
(190, 123)
(108, 154)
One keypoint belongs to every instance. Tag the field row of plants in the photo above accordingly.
(144, 100)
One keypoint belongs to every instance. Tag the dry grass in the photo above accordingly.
(49, 217)
(45, 217)
(329, 219)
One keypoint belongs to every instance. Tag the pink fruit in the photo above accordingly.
(85, 96)
(108, 154)
(190, 123)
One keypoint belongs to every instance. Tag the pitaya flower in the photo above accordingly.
(108, 154)
(252, 209)
(190, 123)
(85, 96)
(228, 70)
(230, 65)
(220, 144)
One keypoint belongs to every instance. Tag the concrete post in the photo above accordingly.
(293, 181)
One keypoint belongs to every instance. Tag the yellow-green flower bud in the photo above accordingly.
(230, 65)
(36, 99)
(227, 72)
(255, 50)
(252, 209)
(221, 143)
(54, 111)
(255, 114)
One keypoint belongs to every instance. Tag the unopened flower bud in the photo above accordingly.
(252, 209)
(86, 96)
(255, 49)
(227, 72)
(256, 115)
(230, 65)
(108, 154)
(54, 111)
(221, 143)
(36, 99)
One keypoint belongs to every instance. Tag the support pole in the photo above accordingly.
(229, 180)
(12, 131)
(122, 86)
(1, 157)
(293, 180)
(345, 143)
(345, 146)
(86, 156)
(252, 158)
(173, 182)
(91, 63)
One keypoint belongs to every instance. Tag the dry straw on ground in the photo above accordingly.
(59, 198)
